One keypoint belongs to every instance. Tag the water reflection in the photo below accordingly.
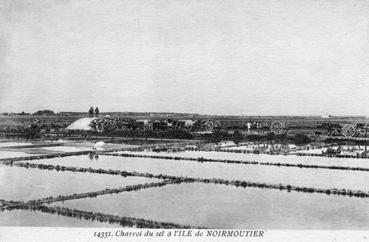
(93, 155)
(343, 149)
(317, 178)
(219, 206)
(26, 184)
(34, 218)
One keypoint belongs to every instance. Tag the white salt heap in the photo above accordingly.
(81, 124)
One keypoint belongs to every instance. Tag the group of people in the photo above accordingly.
(93, 112)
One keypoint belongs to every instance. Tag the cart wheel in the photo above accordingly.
(209, 126)
(276, 127)
(348, 130)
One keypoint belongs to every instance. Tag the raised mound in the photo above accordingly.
(81, 124)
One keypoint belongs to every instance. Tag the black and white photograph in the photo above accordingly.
(225, 120)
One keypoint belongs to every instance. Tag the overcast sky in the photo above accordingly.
(305, 57)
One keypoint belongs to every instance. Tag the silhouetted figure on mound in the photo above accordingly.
(91, 112)
(96, 112)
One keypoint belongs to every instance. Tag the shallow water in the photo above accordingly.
(7, 144)
(292, 159)
(220, 206)
(28, 184)
(318, 178)
(39, 219)
(66, 148)
(13, 154)
(291, 149)
(312, 151)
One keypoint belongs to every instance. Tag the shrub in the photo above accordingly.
(237, 137)
(300, 139)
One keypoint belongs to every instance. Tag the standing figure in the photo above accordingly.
(91, 112)
(248, 127)
(97, 112)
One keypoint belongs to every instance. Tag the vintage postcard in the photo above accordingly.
(184, 120)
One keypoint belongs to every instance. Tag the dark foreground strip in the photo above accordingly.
(237, 183)
(91, 170)
(201, 159)
(36, 205)
(328, 191)
(39, 157)
(66, 154)
(60, 155)
(33, 146)
(277, 153)
(101, 217)
(15, 204)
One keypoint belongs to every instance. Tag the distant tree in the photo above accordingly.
(300, 139)
(270, 136)
(217, 136)
(237, 137)
(32, 131)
